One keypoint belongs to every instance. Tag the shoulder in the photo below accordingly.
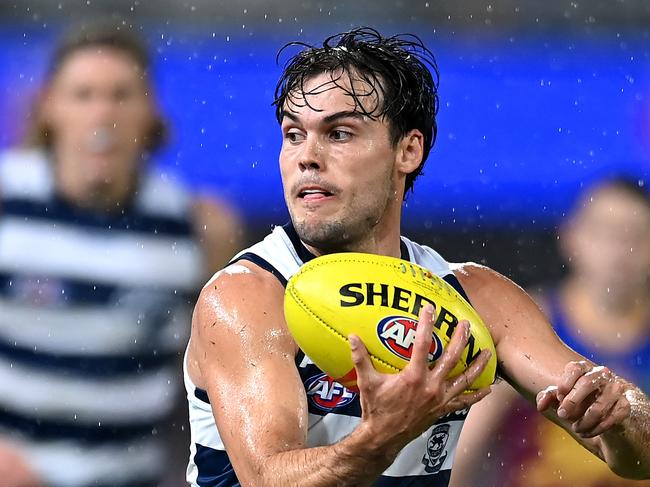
(239, 308)
(481, 280)
(240, 303)
(235, 287)
(21, 157)
(214, 209)
(474, 275)
(25, 173)
(219, 227)
(160, 193)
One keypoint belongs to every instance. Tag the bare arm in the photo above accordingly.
(607, 414)
(478, 453)
(242, 353)
(219, 230)
(14, 470)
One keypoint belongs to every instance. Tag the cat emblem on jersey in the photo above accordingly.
(436, 452)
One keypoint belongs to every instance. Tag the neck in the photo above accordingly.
(595, 320)
(95, 192)
(633, 302)
(101, 197)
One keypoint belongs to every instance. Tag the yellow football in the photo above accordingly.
(379, 299)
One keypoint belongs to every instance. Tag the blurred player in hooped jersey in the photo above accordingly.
(99, 260)
(601, 309)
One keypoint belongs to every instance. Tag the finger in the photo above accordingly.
(464, 381)
(618, 413)
(423, 338)
(584, 393)
(361, 360)
(594, 415)
(467, 399)
(547, 398)
(572, 408)
(603, 426)
(609, 401)
(572, 372)
(453, 351)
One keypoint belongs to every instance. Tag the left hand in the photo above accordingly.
(592, 398)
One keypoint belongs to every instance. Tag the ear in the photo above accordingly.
(44, 108)
(410, 150)
(566, 236)
(41, 116)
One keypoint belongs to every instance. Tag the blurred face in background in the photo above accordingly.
(608, 241)
(98, 111)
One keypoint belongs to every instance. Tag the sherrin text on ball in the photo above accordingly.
(378, 298)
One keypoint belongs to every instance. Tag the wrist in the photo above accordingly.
(625, 444)
(367, 444)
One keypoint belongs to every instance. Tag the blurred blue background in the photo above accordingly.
(536, 101)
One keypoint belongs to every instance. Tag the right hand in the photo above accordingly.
(396, 408)
(14, 471)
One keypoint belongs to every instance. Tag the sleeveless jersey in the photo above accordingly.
(334, 411)
(94, 310)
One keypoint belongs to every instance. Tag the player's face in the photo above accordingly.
(99, 111)
(338, 168)
(609, 243)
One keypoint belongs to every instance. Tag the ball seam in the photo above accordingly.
(439, 282)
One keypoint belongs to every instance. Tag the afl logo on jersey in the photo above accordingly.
(397, 334)
(327, 394)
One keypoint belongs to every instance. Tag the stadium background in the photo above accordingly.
(537, 101)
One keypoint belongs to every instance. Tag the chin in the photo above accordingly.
(329, 236)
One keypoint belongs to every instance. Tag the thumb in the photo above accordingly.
(361, 360)
(547, 398)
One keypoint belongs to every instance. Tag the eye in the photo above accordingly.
(122, 94)
(82, 93)
(341, 135)
(294, 136)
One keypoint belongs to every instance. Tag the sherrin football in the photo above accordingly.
(378, 298)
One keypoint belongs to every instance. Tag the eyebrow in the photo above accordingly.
(330, 118)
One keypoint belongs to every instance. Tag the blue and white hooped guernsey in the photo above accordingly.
(334, 411)
(94, 313)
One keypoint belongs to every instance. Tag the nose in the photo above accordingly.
(104, 109)
(312, 155)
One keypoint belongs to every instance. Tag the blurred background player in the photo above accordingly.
(601, 309)
(99, 257)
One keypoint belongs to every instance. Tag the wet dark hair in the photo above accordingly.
(108, 33)
(626, 183)
(401, 73)
(116, 35)
(634, 187)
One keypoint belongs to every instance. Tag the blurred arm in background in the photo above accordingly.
(219, 229)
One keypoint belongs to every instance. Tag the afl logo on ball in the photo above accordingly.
(397, 334)
(327, 394)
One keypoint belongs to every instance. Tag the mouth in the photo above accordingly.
(314, 193)
(100, 141)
